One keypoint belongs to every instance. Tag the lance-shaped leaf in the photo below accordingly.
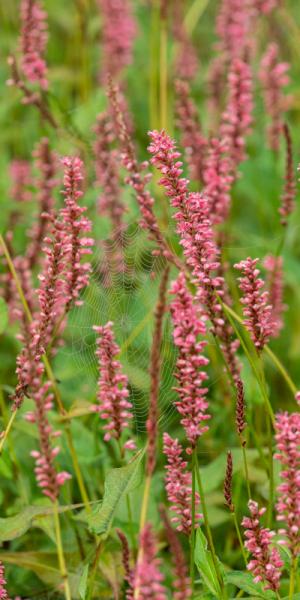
(118, 483)
(205, 565)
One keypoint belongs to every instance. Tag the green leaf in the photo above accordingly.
(244, 581)
(3, 315)
(205, 564)
(83, 582)
(14, 527)
(118, 483)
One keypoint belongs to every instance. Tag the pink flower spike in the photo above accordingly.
(196, 237)
(147, 578)
(46, 475)
(188, 326)
(290, 189)
(179, 485)
(234, 27)
(274, 282)
(265, 563)
(113, 404)
(118, 35)
(46, 163)
(75, 226)
(274, 78)
(288, 454)
(33, 42)
(237, 118)
(192, 138)
(257, 310)
(3, 591)
(266, 6)
(21, 178)
(218, 181)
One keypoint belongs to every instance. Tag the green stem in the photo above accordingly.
(192, 536)
(94, 570)
(153, 99)
(239, 538)
(292, 578)
(243, 444)
(208, 530)
(130, 519)
(163, 63)
(145, 502)
(60, 554)
(281, 369)
(5, 433)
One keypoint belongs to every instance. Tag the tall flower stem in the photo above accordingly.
(207, 527)
(145, 502)
(292, 578)
(153, 99)
(192, 536)
(243, 446)
(51, 376)
(5, 433)
(60, 553)
(239, 536)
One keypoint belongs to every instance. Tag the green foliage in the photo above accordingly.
(118, 483)
(206, 566)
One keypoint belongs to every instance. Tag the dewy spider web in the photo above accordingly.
(125, 292)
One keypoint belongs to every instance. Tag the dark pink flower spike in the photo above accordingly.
(46, 163)
(113, 404)
(3, 591)
(273, 76)
(48, 479)
(21, 179)
(237, 117)
(76, 225)
(52, 300)
(188, 326)
(290, 188)
(197, 238)
(265, 6)
(33, 41)
(192, 138)
(179, 485)
(147, 576)
(218, 180)
(233, 27)
(274, 284)
(265, 563)
(118, 35)
(136, 178)
(181, 582)
(288, 454)
(257, 310)
(107, 171)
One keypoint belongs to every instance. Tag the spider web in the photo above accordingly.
(124, 289)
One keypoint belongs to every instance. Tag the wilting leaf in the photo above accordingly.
(205, 564)
(82, 588)
(3, 315)
(118, 483)
(244, 581)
